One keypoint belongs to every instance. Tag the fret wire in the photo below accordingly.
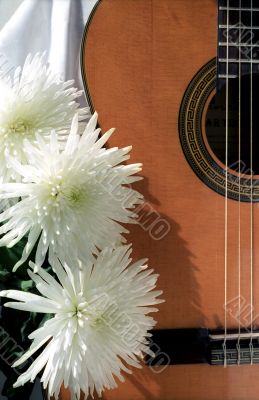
(235, 60)
(222, 8)
(238, 44)
(224, 76)
(243, 27)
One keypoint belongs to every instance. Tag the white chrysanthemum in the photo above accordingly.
(100, 322)
(34, 100)
(72, 200)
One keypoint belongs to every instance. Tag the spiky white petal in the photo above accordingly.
(100, 322)
(34, 101)
(72, 200)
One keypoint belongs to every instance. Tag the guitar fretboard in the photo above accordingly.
(238, 38)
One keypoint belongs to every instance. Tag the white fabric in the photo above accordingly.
(54, 26)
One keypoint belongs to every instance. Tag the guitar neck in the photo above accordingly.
(238, 38)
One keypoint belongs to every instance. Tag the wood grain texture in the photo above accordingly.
(140, 56)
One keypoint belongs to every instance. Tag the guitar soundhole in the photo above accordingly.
(202, 131)
(216, 125)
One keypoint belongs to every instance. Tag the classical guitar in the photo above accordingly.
(179, 80)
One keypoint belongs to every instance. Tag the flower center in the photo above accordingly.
(83, 312)
(73, 195)
(19, 127)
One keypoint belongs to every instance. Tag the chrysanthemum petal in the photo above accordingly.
(34, 101)
(80, 189)
(90, 339)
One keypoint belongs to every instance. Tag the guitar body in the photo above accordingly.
(149, 71)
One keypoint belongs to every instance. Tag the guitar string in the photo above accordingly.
(251, 188)
(226, 200)
(239, 186)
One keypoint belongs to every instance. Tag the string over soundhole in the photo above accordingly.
(202, 137)
(216, 126)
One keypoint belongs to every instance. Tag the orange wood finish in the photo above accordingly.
(139, 57)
